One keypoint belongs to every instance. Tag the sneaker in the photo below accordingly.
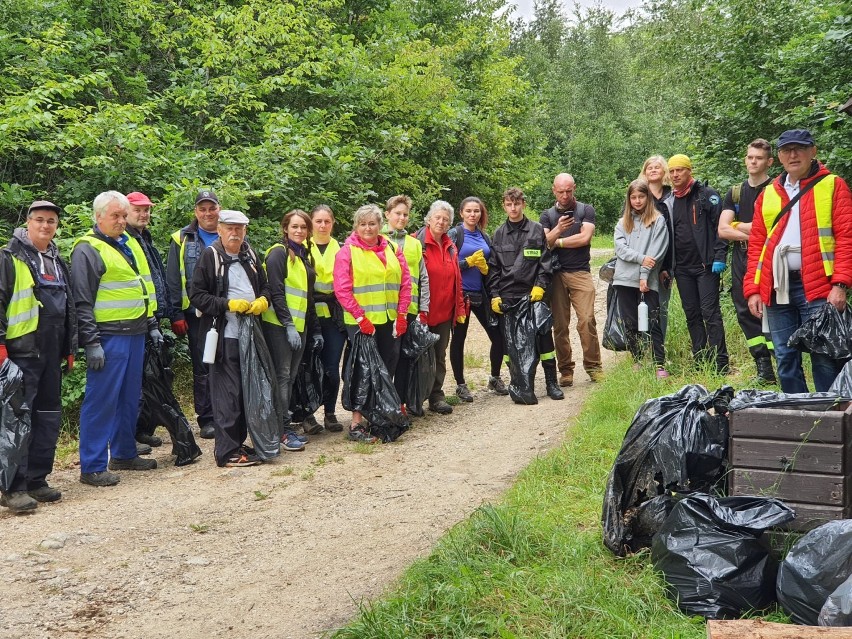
(137, 463)
(496, 385)
(103, 478)
(441, 407)
(662, 373)
(359, 434)
(207, 431)
(151, 440)
(240, 459)
(45, 494)
(292, 443)
(143, 449)
(311, 426)
(18, 501)
(331, 424)
(566, 380)
(596, 375)
(463, 393)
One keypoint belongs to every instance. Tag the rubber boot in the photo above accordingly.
(550, 381)
(765, 372)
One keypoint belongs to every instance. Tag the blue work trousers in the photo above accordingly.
(111, 406)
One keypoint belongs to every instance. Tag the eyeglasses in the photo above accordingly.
(791, 148)
(51, 221)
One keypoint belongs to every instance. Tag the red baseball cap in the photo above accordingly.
(139, 199)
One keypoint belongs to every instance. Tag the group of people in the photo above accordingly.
(310, 292)
(790, 256)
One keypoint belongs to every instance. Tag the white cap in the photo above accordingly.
(232, 217)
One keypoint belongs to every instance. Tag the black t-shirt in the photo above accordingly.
(686, 249)
(748, 196)
(570, 259)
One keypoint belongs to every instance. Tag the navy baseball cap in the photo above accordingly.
(206, 194)
(796, 136)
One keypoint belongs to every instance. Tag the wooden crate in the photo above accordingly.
(802, 457)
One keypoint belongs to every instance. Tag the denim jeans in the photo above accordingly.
(784, 319)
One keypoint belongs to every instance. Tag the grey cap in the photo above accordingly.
(232, 217)
(44, 204)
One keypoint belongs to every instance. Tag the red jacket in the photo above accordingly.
(817, 285)
(445, 290)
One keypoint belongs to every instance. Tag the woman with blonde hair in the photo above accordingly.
(641, 241)
(655, 171)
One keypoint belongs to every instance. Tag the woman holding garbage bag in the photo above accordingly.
(474, 251)
(641, 242)
(446, 304)
(397, 213)
(373, 285)
(655, 171)
(290, 319)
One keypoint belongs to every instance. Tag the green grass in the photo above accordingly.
(603, 241)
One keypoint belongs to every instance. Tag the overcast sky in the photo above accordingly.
(525, 7)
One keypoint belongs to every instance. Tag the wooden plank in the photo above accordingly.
(809, 516)
(771, 423)
(809, 488)
(759, 629)
(787, 455)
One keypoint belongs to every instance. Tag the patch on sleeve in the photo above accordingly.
(714, 200)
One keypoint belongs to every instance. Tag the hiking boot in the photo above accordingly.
(292, 443)
(359, 434)
(137, 463)
(143, 449)
(765, 372)
(496, 385)
(311, 426)
(151, 440)
(103, 478)
(45, 494)
(18, 501)
(553, 390)
(566, 379)
(463, 393)
(241, 459)
(207, 431)
(596, 375)
(331, 424)
(441, 407)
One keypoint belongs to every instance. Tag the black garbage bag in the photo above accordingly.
(673, 445)
(542, 317)
(756, 398)
(828, 332)
(837, 609)
(15, 422)
(520, 335)
(257, 373)
(607, 271)
(842, 384)
(306, 397)
(421, 376)
(711, 555)
(368, 388)
(814, 568)
(159, 405)
(645, 520)
(417, 340)
(614, 333)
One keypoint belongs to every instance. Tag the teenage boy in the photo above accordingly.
(735, 226)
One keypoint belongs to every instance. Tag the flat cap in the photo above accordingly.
(232, 217)
(44, 204)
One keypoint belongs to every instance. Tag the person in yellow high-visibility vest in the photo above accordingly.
(38, 329)
(115, 300)
(373, 285)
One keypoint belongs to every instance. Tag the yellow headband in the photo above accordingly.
(680, 161)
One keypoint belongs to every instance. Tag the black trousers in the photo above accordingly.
(43, 393)
(460, 335)
(628, 307)
(758, 344)
(226, 389)
(200, 382)
(699, 296)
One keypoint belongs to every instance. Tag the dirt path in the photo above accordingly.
(281, 550)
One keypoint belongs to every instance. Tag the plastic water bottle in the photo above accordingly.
(643, 316)
(211, 342)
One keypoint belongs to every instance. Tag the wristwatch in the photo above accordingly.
(841, 285)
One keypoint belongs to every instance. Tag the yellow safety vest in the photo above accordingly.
(375, 286)
(295, 291)
(22, 312)
(324, 264)
(823, 193)
(184, 296)
(412, 249)
(123, 294)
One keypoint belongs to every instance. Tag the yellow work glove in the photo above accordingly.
(473, 259)
(259, 305)
(461, 319)
(495, 305)
(239, 306)
(482, 265)
(536, 294)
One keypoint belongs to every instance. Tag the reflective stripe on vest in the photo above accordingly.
(184, 295)
(379, 297)
(823, 194)
(413, 252)
(22, 312)
(324, 264)
(295, 291)
(122, 293)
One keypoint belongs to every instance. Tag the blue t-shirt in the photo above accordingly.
(207, 237)
(471, 277)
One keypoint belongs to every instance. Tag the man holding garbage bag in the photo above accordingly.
(519, 267)
(38, 330)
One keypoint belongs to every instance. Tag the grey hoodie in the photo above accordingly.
(631, 250)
